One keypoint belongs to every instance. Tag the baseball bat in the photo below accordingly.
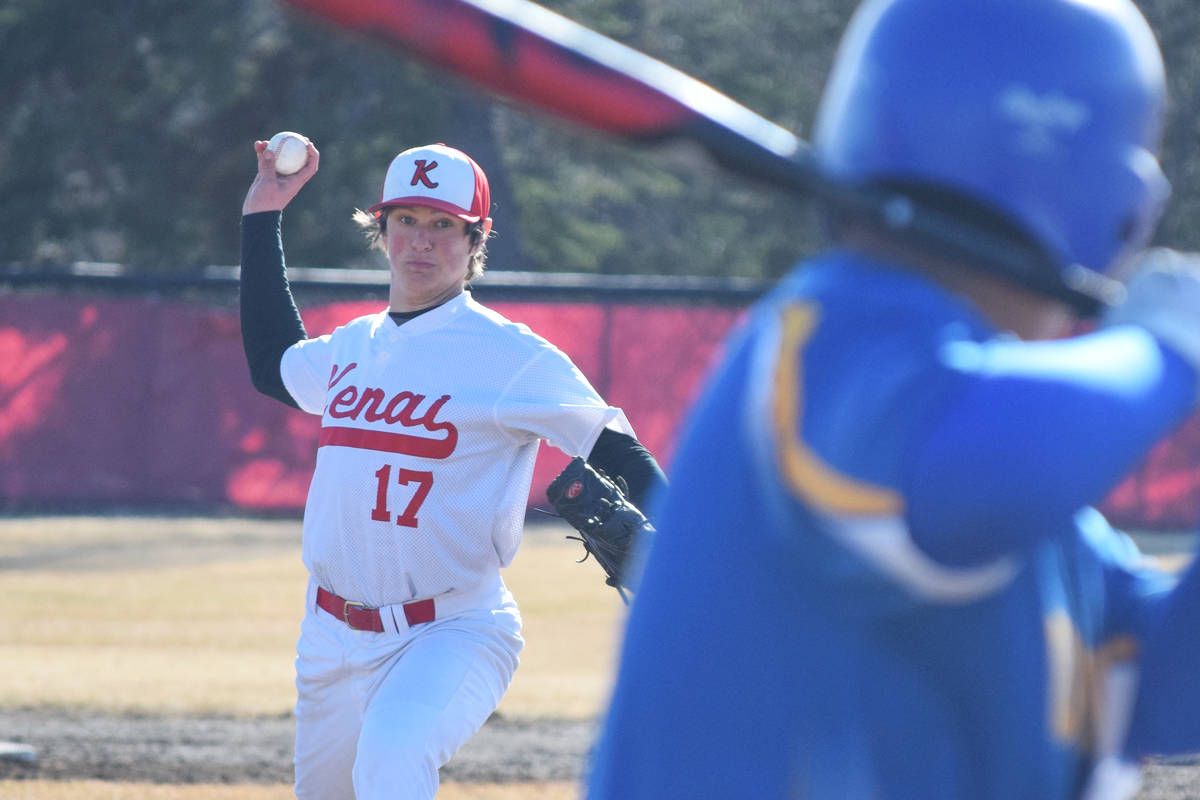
(527, 53)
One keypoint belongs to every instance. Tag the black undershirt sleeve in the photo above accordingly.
(270, 320)
(621, 454)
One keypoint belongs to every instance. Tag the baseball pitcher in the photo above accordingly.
(432, 412)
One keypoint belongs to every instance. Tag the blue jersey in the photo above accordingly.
(877, 572)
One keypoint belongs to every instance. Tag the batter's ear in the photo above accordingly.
(487, 226)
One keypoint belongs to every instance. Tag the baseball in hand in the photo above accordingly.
(291, 151)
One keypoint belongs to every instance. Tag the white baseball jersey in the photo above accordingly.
(429, 432)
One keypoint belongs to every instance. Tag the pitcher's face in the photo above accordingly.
(430, 254)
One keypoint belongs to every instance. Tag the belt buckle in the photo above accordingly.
(346, 610)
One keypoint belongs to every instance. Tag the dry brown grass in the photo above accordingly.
(132, 627)
(163, 614)
(200, 615)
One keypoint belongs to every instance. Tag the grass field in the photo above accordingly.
(194, 615)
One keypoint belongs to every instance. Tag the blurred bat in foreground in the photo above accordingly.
(523, 51)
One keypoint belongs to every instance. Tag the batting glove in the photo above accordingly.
(1164, 298)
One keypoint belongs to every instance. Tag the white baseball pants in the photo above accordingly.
(378, 713)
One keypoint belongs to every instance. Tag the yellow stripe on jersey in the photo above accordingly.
(814, 481)
(1076, 697)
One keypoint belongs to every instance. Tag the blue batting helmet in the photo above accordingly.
(1046, 111)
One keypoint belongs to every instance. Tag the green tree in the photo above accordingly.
(126, 130)
(130, 128)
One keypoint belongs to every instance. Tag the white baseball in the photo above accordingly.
(291, 152)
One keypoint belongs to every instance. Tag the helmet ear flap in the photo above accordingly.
(978, 214)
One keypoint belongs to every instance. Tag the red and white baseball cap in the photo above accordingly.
(439, 177)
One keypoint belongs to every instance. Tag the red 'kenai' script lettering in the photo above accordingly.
(370, 404)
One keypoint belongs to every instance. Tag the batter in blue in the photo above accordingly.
(879, 572)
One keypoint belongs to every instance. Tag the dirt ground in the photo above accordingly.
(215, 749)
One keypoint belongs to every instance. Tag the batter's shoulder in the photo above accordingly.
(863, 290)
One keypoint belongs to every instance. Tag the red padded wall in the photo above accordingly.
(143, 401)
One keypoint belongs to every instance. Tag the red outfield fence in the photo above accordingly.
(146, 402)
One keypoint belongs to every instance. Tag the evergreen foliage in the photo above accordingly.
(127, 129)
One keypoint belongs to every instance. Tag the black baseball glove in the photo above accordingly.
(596, 506)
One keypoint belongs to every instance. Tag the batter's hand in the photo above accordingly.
(1164, 298)
(272, 191)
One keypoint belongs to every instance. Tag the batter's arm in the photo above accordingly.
(1042, 429)
(1030, 438)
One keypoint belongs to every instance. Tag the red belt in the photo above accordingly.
(361, 618)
